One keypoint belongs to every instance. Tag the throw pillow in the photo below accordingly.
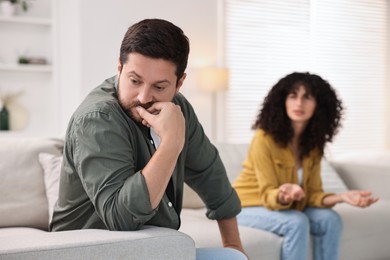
(23, 201)
(51, 165)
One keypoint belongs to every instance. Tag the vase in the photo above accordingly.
(4, 119)
(7, 8)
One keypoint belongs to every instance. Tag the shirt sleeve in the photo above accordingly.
(205, 172)
(105, 161)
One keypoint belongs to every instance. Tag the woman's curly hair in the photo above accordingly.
(323, 125)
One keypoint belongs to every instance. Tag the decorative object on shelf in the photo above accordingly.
(7, 101)
(11, 7)
(32, 60)
(23, 60)
(4, 118)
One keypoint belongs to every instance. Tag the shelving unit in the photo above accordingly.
(26, 20)
(26, 68)
(31, 34)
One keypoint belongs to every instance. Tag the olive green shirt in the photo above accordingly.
(101, 184)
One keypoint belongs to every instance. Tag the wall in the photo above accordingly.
(29, 34)
(90, 33)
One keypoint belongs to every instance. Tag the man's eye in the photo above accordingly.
(159, 88)
(135, 82)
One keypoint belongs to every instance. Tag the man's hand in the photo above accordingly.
(167, 120)
(290, 192)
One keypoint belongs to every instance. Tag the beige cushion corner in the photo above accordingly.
(23, 199)
(51, 165)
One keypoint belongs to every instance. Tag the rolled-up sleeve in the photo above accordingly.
(105, 162)
(230, 208)
(206, 174)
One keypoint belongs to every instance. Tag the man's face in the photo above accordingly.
(143, 81)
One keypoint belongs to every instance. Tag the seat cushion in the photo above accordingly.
(23, 199)
(366, 231)
(258, 244)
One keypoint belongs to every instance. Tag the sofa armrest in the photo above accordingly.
(374, 178)
(147, 243)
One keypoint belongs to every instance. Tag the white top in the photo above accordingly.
(300, 176)
(155, 137)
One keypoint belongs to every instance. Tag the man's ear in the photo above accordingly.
(180, 82)
(119, 67)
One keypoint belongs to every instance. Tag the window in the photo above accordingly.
(343, 41)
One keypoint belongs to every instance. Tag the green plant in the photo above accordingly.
(25, 4)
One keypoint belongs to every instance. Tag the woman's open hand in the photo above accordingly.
(358, 198)
(289, 192)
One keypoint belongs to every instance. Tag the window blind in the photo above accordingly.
(343, 41)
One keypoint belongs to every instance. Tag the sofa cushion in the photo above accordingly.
(258, 244)
(51, 165)
(331, 181)
(367, 170)
(22, 192)
(366, 231)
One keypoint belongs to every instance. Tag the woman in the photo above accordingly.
(280, 185)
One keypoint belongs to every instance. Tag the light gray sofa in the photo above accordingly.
(366, 231)
(29, 173)
(25, 195)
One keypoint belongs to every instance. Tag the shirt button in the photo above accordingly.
(151, 141)
(169, 204)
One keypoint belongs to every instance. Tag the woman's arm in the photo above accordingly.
(356, 198)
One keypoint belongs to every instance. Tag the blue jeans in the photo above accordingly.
(325, 225)
(219, 254)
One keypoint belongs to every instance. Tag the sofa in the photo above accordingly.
(365, 233)
(29, 170)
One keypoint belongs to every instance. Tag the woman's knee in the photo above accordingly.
(334, 219)
(299, 222)
(325, 220)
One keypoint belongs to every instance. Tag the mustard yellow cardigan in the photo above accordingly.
(267, 166)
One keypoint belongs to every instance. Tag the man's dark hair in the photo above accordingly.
(159, 39)
(323, 125)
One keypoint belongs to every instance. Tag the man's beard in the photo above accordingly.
(128, 107)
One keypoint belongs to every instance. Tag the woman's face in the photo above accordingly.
(300, 105)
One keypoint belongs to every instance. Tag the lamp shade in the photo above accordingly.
(214, 79)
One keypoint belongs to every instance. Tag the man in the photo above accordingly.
(135, 140)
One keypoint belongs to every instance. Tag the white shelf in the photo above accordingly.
(25, 67)
(26, 20)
